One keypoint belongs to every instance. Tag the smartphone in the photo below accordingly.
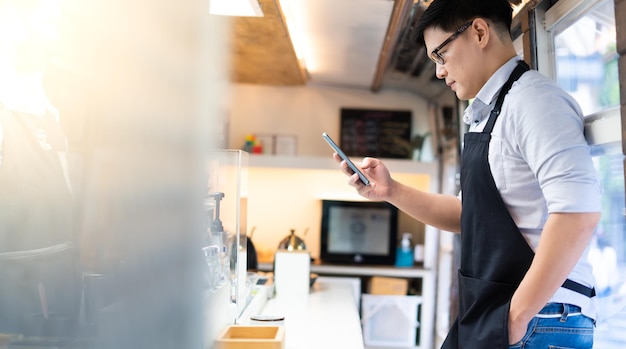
(345, 157)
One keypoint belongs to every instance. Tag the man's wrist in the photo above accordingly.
(519, 313)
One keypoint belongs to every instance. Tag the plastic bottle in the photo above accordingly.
(418, 253)
(404, 253)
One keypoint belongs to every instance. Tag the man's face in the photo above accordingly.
(459, 56)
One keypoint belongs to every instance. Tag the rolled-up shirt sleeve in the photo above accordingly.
(550, 136)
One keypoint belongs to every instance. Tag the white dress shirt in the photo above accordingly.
(539, 159)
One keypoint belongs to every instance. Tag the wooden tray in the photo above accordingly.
(251, 337)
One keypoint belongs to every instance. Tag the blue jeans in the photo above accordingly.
(558, 326)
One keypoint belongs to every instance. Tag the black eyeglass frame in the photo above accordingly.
(434, 54)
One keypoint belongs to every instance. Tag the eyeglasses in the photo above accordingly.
(435, 56)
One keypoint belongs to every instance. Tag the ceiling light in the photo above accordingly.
(294, 25)
(242, 8)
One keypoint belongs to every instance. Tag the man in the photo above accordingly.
(529, 200)
(39, 285)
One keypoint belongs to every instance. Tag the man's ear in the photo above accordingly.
(480, 28)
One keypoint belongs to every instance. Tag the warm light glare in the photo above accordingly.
(242, 8)
(18, 25)
(295, 24)
(28, 34)
(517, 8)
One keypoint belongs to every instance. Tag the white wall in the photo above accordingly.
(282, 198)
(308, 111)
(288, 195)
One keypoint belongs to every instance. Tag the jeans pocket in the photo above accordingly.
(526, 337)
(574, 333)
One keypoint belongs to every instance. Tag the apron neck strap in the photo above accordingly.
(520, 69)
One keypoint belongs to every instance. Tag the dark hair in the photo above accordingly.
(449, 15)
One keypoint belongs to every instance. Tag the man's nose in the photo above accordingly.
(440, 71)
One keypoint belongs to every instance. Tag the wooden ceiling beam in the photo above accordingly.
(399, 15)
(262, 50)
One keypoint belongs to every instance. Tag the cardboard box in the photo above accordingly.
(388, 286)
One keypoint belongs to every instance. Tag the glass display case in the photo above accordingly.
(225, 242)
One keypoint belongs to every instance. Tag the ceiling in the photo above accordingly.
(359, 44)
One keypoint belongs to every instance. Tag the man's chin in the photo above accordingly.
(461, 96)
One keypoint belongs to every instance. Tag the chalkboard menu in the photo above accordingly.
(376, 133)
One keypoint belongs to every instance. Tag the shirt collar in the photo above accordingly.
(489, 92)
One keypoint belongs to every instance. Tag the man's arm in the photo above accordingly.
(439, 210)
(563, 241)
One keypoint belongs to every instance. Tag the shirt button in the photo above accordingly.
(476, 121)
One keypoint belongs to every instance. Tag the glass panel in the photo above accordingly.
(586, 59)
(226, 252)
(608, 251)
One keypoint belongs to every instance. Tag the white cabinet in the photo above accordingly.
(426, 278)
(427, 291)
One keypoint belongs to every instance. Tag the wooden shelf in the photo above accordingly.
(362, 270)
(327, 163)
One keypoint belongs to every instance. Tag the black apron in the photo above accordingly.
(494, 254)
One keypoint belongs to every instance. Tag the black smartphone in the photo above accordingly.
(345, 157)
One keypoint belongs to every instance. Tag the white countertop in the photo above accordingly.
(328, 317)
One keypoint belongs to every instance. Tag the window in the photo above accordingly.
(608, 251)
(586, 59)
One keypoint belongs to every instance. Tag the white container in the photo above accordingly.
(292, 273)
(390, 321)
(418, 253)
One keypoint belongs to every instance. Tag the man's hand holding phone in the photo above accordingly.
(344, 157)
(379, 187)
